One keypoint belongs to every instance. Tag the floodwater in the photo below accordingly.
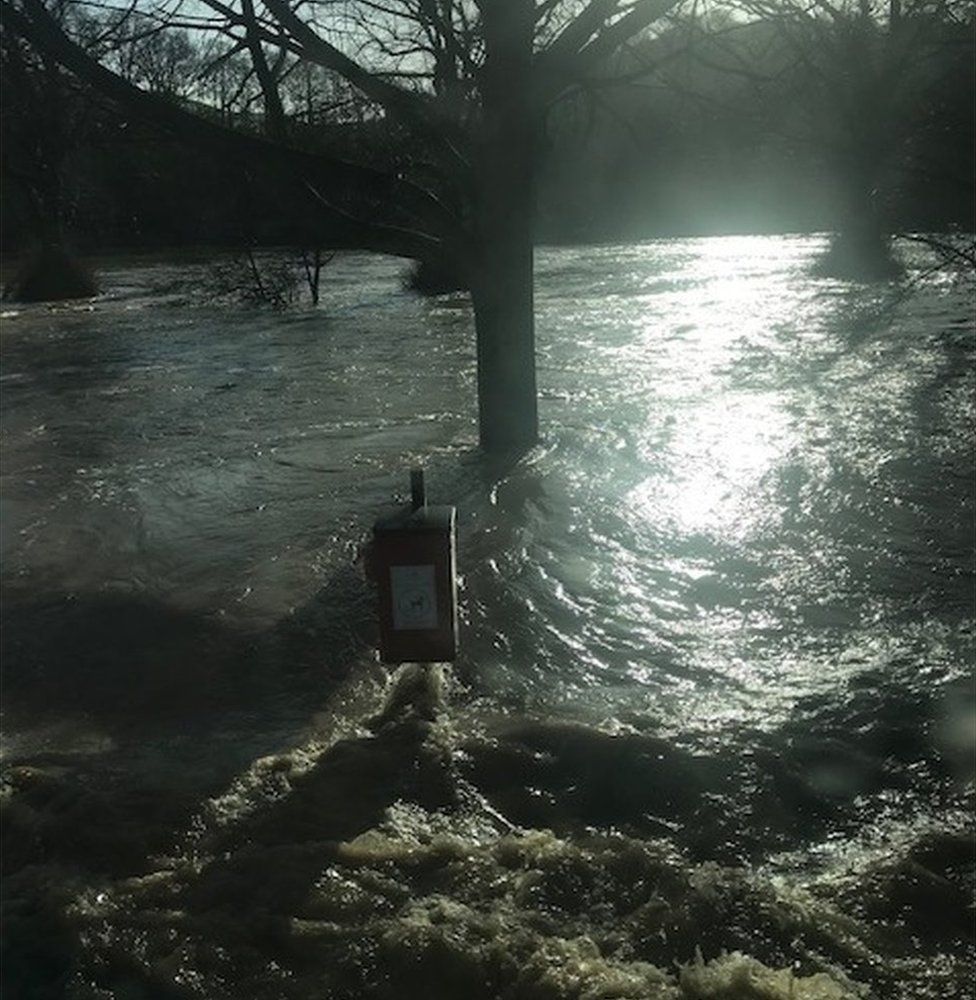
(711, 730)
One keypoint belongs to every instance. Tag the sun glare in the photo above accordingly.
(725, 434)
(720, 455)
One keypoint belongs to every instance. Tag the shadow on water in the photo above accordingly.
(115, 671)
(124, 715)
(121, 659)
(808, 779)
(152, 710)
(132, 664)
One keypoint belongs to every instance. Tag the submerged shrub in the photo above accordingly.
(276, 279)
(272, 281)
(51, 274)
(428, 278)
(858, 257)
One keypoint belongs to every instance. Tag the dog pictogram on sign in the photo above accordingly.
(414, 597)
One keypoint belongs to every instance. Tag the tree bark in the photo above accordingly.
(502, 278)
(274, 112)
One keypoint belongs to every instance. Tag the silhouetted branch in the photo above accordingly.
(360, 182)
(963, 256)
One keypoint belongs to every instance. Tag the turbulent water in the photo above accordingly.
(711, 730)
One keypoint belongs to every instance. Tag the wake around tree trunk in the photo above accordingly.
(502, 278)
(860, 249)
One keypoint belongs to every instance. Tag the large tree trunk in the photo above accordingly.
(501, 283)
(507, 411)
(861, 245)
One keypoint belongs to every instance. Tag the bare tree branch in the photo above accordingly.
(359, 182)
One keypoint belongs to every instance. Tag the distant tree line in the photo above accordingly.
(79, 166)
(769, 115)
(773, 115)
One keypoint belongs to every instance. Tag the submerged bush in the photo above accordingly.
(428, 278)
(278, 280)
(272, 281)
(51, 274)
(858, 257)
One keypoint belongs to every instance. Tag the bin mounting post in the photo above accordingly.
(418, 489)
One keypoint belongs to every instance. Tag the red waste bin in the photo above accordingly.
(414, 564)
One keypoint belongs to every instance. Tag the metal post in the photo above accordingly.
(418, 490)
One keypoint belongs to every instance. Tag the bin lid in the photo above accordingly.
(431, 518)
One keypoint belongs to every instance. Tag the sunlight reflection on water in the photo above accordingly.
(721, 452)
(744, 476)
(738, 483)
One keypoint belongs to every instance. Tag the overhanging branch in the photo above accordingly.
(591, 38)
(413, 108)
(434, 225)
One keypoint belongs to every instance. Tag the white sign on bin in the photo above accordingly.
(414, 597)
